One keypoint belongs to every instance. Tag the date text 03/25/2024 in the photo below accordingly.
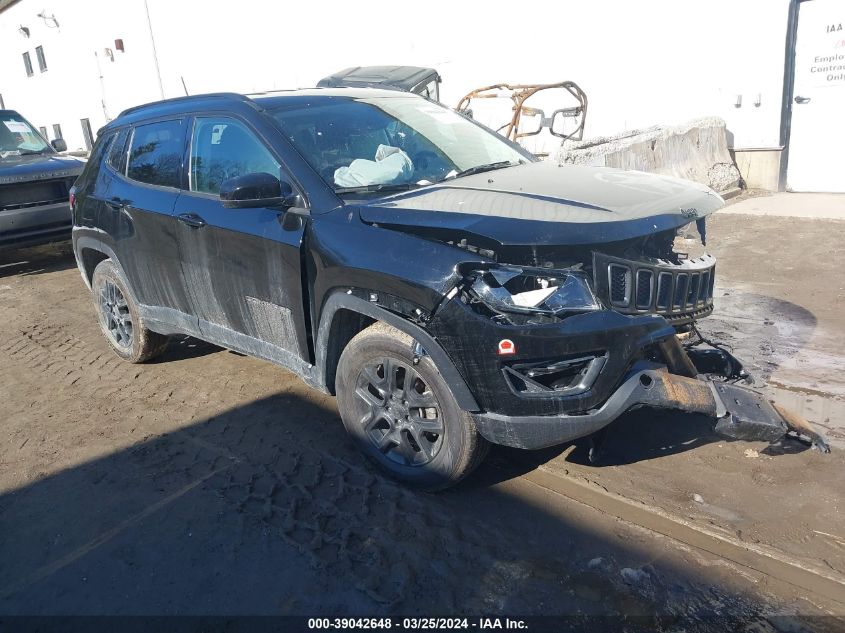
(414, 624)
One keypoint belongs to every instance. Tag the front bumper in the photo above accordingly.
(631, 361)
(30, 226)
(739, 413)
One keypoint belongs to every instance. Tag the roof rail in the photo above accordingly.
(188, 98)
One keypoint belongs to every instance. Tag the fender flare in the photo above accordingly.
(80, 243)
(340, 300)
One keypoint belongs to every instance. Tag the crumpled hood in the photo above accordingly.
(543, 203)
(38, 167)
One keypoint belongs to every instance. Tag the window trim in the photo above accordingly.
(27, 63)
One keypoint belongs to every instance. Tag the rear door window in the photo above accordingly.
(155, 156)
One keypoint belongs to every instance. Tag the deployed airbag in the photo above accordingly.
(391, 165)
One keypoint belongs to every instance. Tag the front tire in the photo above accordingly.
(403, 415)
(118, 316)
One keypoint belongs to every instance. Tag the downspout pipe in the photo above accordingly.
(788, 89)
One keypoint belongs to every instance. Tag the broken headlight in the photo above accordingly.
(532, 291)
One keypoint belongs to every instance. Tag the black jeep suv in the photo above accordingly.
(450, 289)
(34, 185)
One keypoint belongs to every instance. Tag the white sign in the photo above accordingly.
(18, 127)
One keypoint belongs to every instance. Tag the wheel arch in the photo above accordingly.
(89, 252)
(344, 315)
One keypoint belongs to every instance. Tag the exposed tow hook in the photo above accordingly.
(597, 441)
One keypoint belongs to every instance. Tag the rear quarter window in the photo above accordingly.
(117, 153)
(155, 155)
(101, 148)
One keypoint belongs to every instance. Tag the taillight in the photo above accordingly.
(72, 198)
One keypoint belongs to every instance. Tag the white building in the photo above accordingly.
(640, 63)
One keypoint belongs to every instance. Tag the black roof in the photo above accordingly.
(233, 100)
(402, 77)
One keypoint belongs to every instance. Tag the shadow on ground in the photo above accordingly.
(36, 260)
(267, 509)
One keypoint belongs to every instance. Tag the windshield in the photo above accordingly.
(384, 142)
(17, 138)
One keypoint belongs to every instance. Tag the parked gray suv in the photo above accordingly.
(35, 182)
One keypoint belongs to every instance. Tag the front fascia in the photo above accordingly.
(472, 341)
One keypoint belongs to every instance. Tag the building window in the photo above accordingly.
(87, 134)
(43, 131)
(42, 63)
(27, 63)
(57, 130)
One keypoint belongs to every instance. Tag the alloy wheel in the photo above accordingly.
(116, 315)
(399, 413)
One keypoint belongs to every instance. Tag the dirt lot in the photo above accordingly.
(213, 483)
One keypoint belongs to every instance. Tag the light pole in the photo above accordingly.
(155, 55)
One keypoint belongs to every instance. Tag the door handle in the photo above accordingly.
(802, 99)
(192, 220)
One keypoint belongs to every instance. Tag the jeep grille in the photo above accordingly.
(680, 292)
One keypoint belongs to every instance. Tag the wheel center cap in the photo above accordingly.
(398, 410)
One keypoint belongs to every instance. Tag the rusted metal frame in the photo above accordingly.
(519, 93)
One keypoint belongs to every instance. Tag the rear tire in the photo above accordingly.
(118, 316)
(403, 416)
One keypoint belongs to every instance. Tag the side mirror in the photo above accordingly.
(59, 145)
(257, 190)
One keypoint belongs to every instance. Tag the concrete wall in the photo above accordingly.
(641, 63)
(760, 168)
(695, 151)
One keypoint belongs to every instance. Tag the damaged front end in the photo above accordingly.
(575, 299)
(530, 295)
(559, 353)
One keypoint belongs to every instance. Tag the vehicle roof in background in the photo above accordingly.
(401, 77)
